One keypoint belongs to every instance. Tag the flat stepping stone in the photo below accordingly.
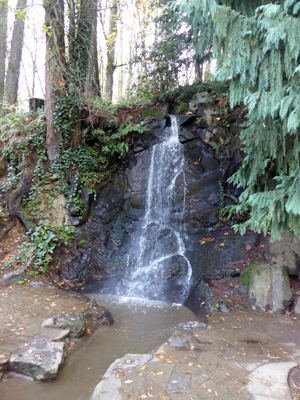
(41, 361)
(56, 335)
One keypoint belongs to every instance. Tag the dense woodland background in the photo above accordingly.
(108, 61)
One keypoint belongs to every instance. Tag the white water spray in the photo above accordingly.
(158, 264)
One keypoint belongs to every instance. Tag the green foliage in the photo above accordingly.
(152, 113)
(65, 115)
(257, 47)
(37, 253)
(182, 108)
(22, 134)
(249, 272)
(170, 56)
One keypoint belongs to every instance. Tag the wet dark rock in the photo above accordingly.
(187, 120)
(185, 135)
(224, 273)
(199, 299)
(116, 217)
(98, 314)
(41, 361)
(13, 277)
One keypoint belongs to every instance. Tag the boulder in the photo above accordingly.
(72, 322)
(285, 252)
(99, 315)
(108, 388)
(185, 135)
(270, 289)
(13, 277)
(41, 361)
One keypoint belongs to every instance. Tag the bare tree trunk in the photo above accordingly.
(198, 71)
(13, 70)
(111, 48)
(55, 68)
(3, 39)
(92, 82)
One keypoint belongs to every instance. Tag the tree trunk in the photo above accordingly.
(13, 70)
(92, 82)
(198, 71)
(55, 68)
(3, 33)
(111, 49)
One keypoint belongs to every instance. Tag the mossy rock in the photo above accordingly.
(153, 113)
(182, 108)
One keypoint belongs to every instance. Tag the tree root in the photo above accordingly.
(15, 199)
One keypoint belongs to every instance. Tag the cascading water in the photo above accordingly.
(157, 267)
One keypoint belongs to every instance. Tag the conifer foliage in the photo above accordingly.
(257, 47)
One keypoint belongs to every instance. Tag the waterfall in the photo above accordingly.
(158, 268)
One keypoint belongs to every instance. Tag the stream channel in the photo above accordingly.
(143, 305)
(140, 326)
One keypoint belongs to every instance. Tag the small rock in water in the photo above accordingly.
(41, 361)
(73, 322)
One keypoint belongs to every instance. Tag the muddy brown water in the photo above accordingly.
(140, 327)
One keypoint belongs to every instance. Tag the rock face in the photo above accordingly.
(270, 289)
(116, 217)
(40, 361)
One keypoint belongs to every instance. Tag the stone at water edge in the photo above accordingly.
(41, 361)
(73, 322)
(270, 289)
(13, 277)
(4, 359)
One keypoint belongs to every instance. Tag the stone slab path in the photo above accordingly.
(242, 355)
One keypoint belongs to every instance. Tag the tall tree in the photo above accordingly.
(257, 47)
(72, 73)
(55, 73)
(14, 62)
(111, 39)
(3, 40)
